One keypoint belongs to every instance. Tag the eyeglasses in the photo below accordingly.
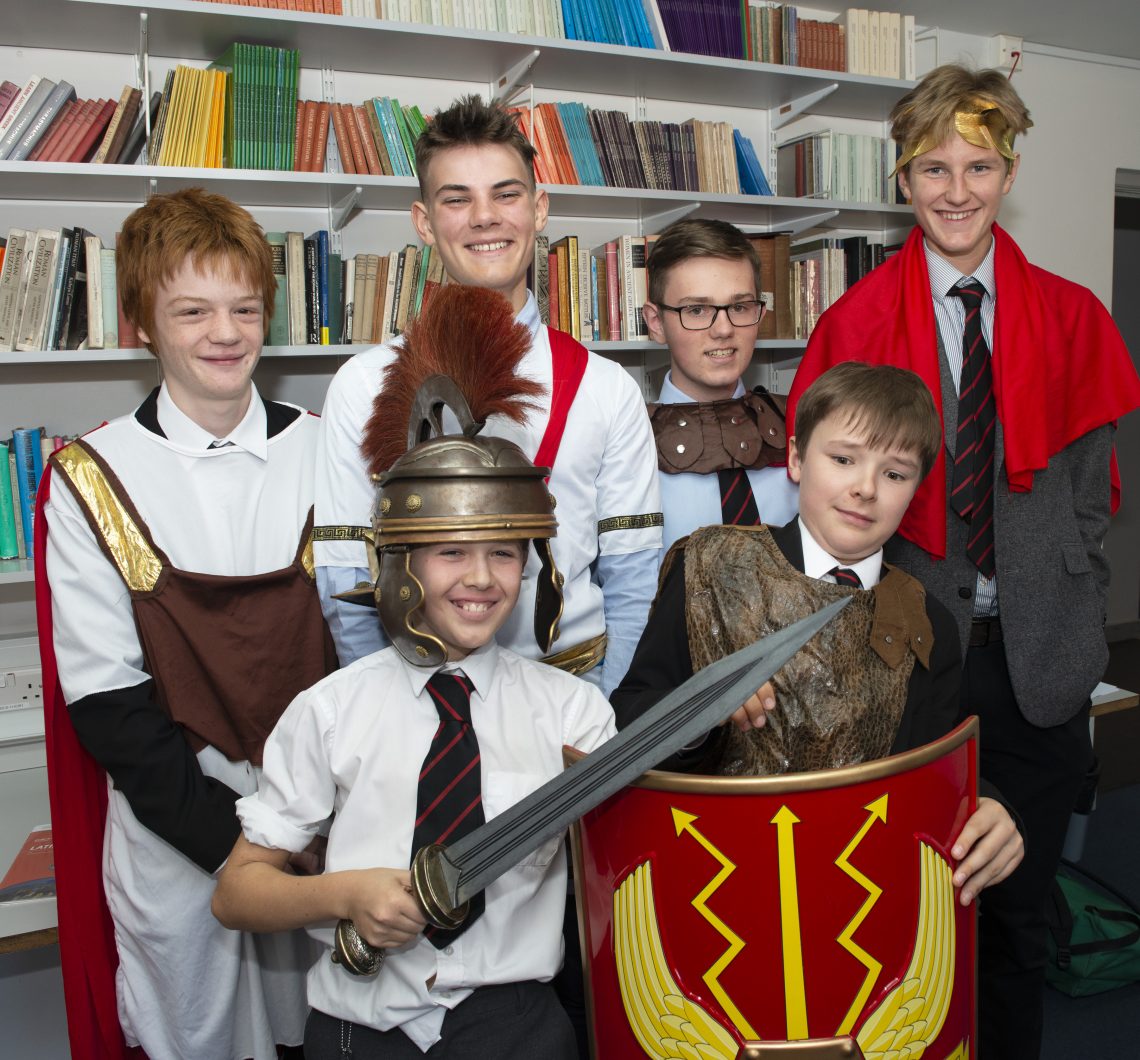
(700, 316)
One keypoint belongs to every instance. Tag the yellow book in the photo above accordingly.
(198, 126)
(174, 134)
(218, 120)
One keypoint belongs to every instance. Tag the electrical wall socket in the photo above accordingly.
(21, 687)
(1005, 49)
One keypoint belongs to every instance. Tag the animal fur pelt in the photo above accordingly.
(469, 334)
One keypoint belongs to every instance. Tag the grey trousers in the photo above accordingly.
(522, 1020)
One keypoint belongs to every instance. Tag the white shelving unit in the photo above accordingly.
(99, 44)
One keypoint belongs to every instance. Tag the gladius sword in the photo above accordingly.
(444, 878)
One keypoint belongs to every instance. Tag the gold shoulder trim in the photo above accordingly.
(631, 522)
(123, 538)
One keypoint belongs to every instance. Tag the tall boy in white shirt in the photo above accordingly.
(480, 211)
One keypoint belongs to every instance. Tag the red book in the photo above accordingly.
(61, 150)
(371, 155)
(9, 90)
(359, 160)
(320, 138)
(340, 129)
(57, 128)
(298, 134)
(92, 135)
(32, 873)
(613, 290)
(128, 333)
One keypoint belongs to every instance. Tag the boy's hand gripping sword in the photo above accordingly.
(445, 878)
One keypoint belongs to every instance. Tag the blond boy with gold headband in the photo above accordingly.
(1006, 530)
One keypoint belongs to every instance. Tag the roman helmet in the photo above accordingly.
(435, 485)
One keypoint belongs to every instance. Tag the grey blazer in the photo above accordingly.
(1051, 572)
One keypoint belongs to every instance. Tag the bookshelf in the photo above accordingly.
(102, 44)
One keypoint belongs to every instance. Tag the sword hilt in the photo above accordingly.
(431, 892)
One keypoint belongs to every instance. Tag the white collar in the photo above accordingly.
(248, 435)
(478, 667)
(817, 562)
(943, 275)
(671, 394)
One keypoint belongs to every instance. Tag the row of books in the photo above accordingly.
(872, 43)
(384, 292)
(822, 269)
(603, 21)
(377, 136)
(44, 121)
(238, 113)
(58, 292)
(576, 144)
(846, 167)
(860, 41)
(22, 460)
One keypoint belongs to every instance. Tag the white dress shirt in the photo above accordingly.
(690, 501)
(606, 469)
(353, 745)
(818, 563)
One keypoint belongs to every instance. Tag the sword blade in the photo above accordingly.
(678, 719)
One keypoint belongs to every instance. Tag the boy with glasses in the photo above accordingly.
(718, 444)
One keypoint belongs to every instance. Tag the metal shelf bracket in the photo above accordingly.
(787, 112)
(655, 222)
(504, 87)
(341, 210)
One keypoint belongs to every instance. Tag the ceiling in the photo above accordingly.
(1104, 27)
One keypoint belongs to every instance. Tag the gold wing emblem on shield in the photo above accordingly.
(910, 1017)
(667, 1025)
(670, 1026)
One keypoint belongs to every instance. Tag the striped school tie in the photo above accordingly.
(449, 802)
(737, 501)
(972, 496)
(846, 576)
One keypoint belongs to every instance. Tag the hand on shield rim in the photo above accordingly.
(988, 848)
(753, 713)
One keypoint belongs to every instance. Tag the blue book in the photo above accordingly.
(322, 324)
(752, 179)
(27, 445)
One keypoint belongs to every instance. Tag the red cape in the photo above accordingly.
(77, 787)
(1060, 367)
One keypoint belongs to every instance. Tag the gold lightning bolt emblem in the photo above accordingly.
(876, 811)
(683, 822)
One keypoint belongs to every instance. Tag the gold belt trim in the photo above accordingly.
(580, 658)
(128, 546)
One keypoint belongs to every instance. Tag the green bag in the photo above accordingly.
(1094, 935)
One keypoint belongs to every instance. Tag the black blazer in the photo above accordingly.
(662, 662)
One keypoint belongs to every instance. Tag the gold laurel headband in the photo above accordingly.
(982, 125)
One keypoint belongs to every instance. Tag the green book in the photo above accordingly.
(406, 137)
(9, 542)
(279, 323)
